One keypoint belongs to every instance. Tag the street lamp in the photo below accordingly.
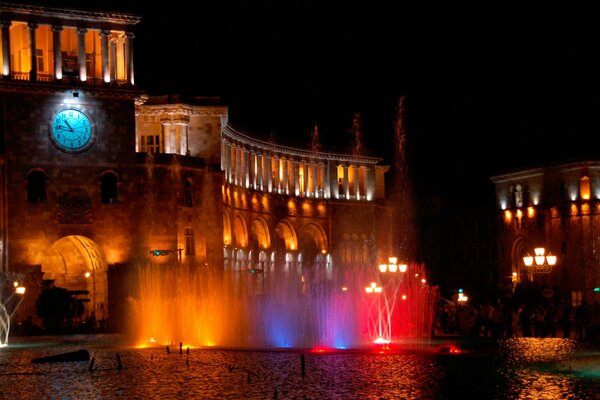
(540, 263)
(393, 266)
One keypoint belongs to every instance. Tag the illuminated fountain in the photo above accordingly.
(8, 304)
(281, 308)
(289, 304)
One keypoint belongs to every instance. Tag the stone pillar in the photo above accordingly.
(285, 185)
(166, 137)
(275, 174)
(295, 183)
(246, 168)
(238, 166)
(346, 183)
(269, 172)
(81, 56)
(314, 190)
(32, 27)
(105, 55)
(113, 57)
(259, 172)
(327, 179)
(370, 183)
(225, 159)
(304, 167)
(5, 47)
(129, 57)
(253, 168)
(56, 30)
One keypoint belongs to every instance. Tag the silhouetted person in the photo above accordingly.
(581, 312)
(566, 321)
(525, 316)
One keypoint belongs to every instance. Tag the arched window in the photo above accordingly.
(584, 188)
(187, 193)
(36, 187)
(109, 192)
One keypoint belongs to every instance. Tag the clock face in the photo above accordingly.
(71, 131)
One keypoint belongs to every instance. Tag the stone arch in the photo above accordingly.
(227, 237)
(520, 248)
(76, 263)
(240, 230)
(285, 231)
(259, 239)
(312, 243)
(260, 230)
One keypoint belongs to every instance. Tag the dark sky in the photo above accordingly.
(489, 85)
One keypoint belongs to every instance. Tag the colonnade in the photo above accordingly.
(115, 48)
(266, 167)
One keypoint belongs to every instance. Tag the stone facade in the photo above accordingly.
(165, 180)
(555, 207)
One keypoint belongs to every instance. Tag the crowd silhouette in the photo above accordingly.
(500, 319)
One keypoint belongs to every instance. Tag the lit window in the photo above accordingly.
(151, 144)
(584, 188)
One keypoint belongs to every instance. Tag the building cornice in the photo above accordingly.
(66, 16)
(235, 135)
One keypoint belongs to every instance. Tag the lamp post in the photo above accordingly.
(541, 263)
(393, 266)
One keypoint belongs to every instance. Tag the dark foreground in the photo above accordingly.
(523, 368)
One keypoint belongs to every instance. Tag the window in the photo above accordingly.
(39, 58)
(108, 188)
(151, 144)
(190, 247)
(36, 187)
(187, 193)
(584, 188)
(518, 196)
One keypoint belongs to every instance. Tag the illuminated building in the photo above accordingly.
(97, 177)
(556, 207)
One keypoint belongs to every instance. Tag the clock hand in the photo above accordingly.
(69, 125)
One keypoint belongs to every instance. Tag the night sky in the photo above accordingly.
(489, 86)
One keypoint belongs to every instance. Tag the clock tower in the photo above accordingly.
(67, 150)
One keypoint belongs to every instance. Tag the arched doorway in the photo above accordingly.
(76, 264)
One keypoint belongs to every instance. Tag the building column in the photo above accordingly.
(105, 56)
(295, 186)
(305, 190)
(225, 159)
(370, 183)
(269, 172)
(346, 182)
(327, 179)
(166, 137)
(129, 57)
(285, 185)
(259, 172)
(253, 168)
(56, 30)
(5, 47)
(81, 56)
(113, 57)
(32, 27)
(245, 168)
(314, 189)
(238, 166)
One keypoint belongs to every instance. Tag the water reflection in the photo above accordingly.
(531, 369)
